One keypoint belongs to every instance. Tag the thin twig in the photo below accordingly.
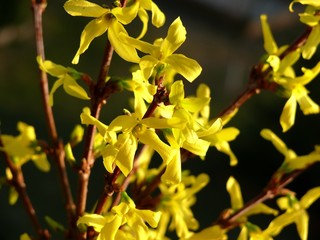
(274, 188)
(259, 81)
(19, 184)
(59, 154)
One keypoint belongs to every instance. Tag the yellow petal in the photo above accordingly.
(223, 146)
(282, 221)
(210, 233)
(84, 8)
(214, 128)
(158, 17)
(288, 61)
(41, 161)
(274, 62)
(288, 114)
(123, 123)
(310, 47)
(150, 138)
(314, 3)
(310, 197)
(147, 64)
(308, 75)
(73, 88)
(144, 17)
(161, 123)
(275, 140)
(302, 162)
(172, 175)
(55, 86)
(93, 29)
(261, 208)
(138, 44)
(198, 146)
(234, 191)
(187, 67)
(110, 230)
(94, 220)
(86, 118)
(25, 236)
(127, 145)
(51, 68)
(305, 102)
(109, 154)
(269, 44)
(176, 92)
(13, 196)
(302, 225)
(175, 37)
(125, 15)
(125, 51)
(69, 153)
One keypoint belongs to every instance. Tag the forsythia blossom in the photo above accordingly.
(124, 133)
(176, 206)
(66, 77)
(123, 222)
(295, 212)
(291, 161)
(199, 133)
(310, 17)
(237, 202)
(162, 51)
(284, 75)
(24, 147)
(21, 149)
(105, 19)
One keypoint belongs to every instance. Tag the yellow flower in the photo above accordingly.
(124, 133)
(176, 205)
(199, 133)
(247, 229)
(283, 74)
(105, 19)
(143, 91)
(24, 147)
(186, 108)
(210, 233)
(66, 77)
(162, 52)
(158, 17)
(295, 212)
(122, 222)
(292, 161)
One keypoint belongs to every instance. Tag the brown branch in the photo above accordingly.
(19, 184)
(38, 7)
(274, 188)
(99, 93)
(259, 80)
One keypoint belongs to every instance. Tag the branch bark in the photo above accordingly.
(19, 184)
(38, 7)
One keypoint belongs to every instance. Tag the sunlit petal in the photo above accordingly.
(93, 29)
(187, 67)
(84, 8)
(288, 114)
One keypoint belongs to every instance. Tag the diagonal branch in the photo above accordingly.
(19, 184)
(275, 187)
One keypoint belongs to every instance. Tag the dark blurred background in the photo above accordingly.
(223, 35)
